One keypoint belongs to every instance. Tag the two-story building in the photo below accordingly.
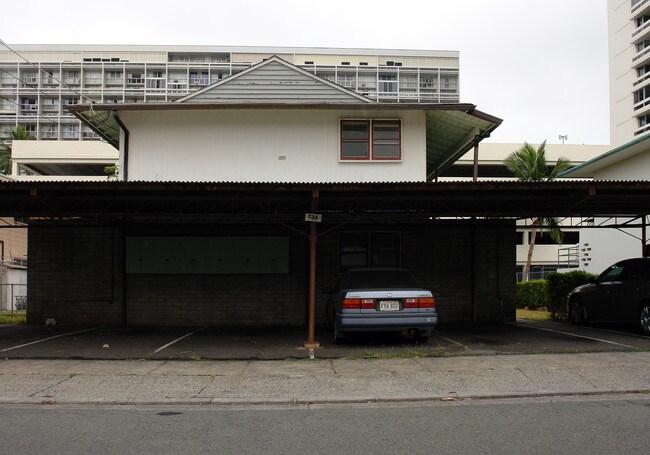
(206, 225)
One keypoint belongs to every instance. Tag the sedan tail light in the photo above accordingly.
(422, 302)
(356, 304)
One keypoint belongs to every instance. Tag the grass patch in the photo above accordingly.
(534, 315)
(17, 317)
(388, 355)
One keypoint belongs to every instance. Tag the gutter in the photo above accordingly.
(125, 168)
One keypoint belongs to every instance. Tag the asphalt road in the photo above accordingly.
(617, 424)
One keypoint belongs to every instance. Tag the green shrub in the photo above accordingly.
(559, 286)
(532, 294)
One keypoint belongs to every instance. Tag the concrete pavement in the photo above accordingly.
(290, 382)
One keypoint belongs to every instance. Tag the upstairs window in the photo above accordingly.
(371, 140)
(355, 139)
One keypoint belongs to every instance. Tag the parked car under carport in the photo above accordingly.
(380, 300)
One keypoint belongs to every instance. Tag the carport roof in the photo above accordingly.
(452, 129)
(341, 202)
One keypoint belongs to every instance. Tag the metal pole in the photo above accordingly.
(644, 239)
(311, 341)
(475, 174)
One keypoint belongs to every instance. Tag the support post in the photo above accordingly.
(311, 342)
(475, 174)
(644, 239)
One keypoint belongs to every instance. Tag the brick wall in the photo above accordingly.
(76, 276)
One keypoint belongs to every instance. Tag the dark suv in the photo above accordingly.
(619, 294)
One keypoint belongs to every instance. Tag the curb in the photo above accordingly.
(234, 402)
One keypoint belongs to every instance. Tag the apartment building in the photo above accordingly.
(36, 89)
(629, 69)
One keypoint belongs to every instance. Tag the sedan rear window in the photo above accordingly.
(379, 279)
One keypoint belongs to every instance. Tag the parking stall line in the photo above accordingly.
(635, 335)
(578, 336)
(47, 339)
(452, 341)
(178, 339)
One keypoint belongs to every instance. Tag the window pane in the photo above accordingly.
(354, 130)
(384, 249)
(353, 250)
(385, 131)
(355, 149)
(386, 140)
(386, 150)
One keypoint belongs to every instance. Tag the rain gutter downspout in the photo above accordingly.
(125, 171)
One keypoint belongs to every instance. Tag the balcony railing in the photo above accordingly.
(71, 80)
(568, 258)
(636, 4)
(93, 81)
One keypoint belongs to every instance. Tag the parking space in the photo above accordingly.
(524, 337)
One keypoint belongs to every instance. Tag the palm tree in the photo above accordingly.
(20, 134)
(529, 164)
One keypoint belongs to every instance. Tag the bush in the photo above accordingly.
(532, 294)
(559, 286)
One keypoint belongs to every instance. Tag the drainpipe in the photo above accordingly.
(125, 171)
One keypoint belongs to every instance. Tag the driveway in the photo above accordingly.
(525, 337)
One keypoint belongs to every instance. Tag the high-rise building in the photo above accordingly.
(37, 82)
(629, 69)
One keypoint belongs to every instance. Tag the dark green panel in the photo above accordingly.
(166, 254)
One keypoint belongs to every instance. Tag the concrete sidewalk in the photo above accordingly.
(320, 381)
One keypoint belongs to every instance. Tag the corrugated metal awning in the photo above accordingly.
(345, 202)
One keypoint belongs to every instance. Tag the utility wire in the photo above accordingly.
(32, 86)
(48, 74)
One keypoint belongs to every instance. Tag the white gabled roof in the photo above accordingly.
(274, 81)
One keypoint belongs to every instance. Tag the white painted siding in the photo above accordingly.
(636, 167)
(246, 146)
(274, 83)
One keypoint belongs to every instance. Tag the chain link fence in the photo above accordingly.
(13, 297)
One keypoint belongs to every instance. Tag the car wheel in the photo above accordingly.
(577, 312)
(644, 317)
(339, 336)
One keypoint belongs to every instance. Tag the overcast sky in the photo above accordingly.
(540, 65)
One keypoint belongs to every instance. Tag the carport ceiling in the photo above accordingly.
(399, 202)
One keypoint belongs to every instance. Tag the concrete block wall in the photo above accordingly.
(75, 275)
(235, 300)
(440, 257)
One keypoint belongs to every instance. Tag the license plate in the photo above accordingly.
(389, 305)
